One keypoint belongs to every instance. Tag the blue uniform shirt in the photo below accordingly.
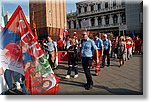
(87, 48)
(107, 44)
(51, 46)
(99, 43)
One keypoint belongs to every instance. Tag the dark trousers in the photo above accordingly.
(73, 65)
(106, 54)
(72, 68)
(86, 63)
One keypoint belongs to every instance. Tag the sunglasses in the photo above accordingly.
(83, 34)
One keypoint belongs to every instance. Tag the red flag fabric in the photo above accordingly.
(17, 38)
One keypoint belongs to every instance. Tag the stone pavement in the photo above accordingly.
(112, 80)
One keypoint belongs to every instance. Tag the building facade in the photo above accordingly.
(116, 16)
(50, 17)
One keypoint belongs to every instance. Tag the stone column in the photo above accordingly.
(103, 20)
(103, 4)
(119, 18)
(89, 22)
(72, 25)
(88, 8)
(95, 7)
(82, 9)
(96, 21)
(111, 3)
(77, 24)
(110, 19)
(118, 2)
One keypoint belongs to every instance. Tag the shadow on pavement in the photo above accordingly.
(119, 91)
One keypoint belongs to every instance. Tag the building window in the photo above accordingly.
(115, 19)
(99, 21)
(99, 6)
(92, 7)
(74, 23)
(123, 2)
(79, 10)
(85, 9)
(92, 22)
(80, 23)
(69, 25)
(114, 3)
(107, 20)
(123, 19)
(106, 5)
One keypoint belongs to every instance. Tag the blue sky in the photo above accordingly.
(11, 5)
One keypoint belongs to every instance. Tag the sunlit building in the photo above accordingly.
(49, 15)
(116, 16)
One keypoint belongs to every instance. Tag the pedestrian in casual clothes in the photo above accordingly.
(138, 44)
(72, 60)
(129, 44)
(107, 51)
(121, 46)
(99, 43)
(60, 44)
(67, 42)
(52, 49)
(86, 53)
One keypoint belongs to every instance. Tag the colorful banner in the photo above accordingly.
(22, 54)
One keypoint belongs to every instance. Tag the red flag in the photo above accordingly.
(17, 34)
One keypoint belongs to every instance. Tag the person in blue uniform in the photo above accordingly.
(107, 50)
(88, 46)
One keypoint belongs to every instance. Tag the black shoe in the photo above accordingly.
(88, 87)
(85, 85)
(108, 65)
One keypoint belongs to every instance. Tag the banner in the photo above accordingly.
(22, 54)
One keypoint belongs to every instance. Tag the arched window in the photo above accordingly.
(85, 9)
(106, 4)
(123, 18)
(69, 24)
(107, 20)
(74, 23)
(80, 23)
(99, 6)
(92, 7)
(99, 21)
(115, 19)
(114, 3)
(79, 10)
(92, 22)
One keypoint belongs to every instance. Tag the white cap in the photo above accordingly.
(105, 35)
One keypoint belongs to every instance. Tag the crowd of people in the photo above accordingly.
(92, 51)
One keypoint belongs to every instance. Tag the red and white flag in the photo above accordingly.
(21, 48)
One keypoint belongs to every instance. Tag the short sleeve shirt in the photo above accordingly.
(87, 48)
(99, 43)
(51, 46)
(107, 44)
